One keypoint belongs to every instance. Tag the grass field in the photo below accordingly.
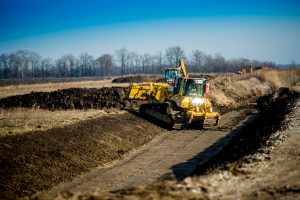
(21, 120)
(279, 78)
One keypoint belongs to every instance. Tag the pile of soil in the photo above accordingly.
(273, 109)
(137, 79)
(204, 76)
(39, 160)
(233, 92)
(73, 98)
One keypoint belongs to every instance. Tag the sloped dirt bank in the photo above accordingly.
(273, 110)
(38, 160)
(138, 79)
(228, 92)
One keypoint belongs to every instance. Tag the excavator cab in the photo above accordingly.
(171, 76)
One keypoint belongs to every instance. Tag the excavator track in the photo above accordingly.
(169, 116)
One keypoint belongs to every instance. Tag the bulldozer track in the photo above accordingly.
(172, 155)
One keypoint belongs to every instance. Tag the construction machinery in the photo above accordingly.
(244, 70)
(179, 101)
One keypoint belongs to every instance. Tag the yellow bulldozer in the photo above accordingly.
(179, 101)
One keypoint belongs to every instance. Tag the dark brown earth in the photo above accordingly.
(73, 98)
(138, 79)
(39, 160)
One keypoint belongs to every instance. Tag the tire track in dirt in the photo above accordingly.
(173, 154)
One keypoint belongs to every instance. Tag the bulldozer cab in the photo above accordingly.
(192, 87)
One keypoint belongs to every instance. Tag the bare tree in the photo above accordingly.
(146, 62)
(159, 61)
(4, 65)
(70, 62)
(106, 64)
(134, 62)
(20, 62)
(23, 63)
(219, 63)
(174, 54)
(197, 60)
(122, 57)
(61, 64)
(86, 64)
(34, 60)
(45, 65)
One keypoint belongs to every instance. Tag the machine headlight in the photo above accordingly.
(197, 101)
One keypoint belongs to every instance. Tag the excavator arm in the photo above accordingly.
(181, 67)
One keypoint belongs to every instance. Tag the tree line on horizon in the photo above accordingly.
(24, 64)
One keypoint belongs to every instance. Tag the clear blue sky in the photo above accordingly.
(262, 29)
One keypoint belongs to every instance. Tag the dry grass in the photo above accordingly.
(21, 120)
(279, 78)
(47, 87)
(232, 91)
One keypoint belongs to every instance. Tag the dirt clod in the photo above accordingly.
(137, 79)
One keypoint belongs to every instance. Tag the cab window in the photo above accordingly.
(193, 88)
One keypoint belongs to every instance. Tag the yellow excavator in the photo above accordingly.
(179, 101)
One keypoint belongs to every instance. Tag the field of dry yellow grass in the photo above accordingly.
(279, 78)
(21, 120)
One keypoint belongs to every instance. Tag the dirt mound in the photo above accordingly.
(204, 76)
(73, 98)
(230, 92)
(137, 79)
(40, 159)
(273, 110)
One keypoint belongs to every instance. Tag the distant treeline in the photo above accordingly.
(27, 64)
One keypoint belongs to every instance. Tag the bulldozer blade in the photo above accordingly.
(209, 123)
